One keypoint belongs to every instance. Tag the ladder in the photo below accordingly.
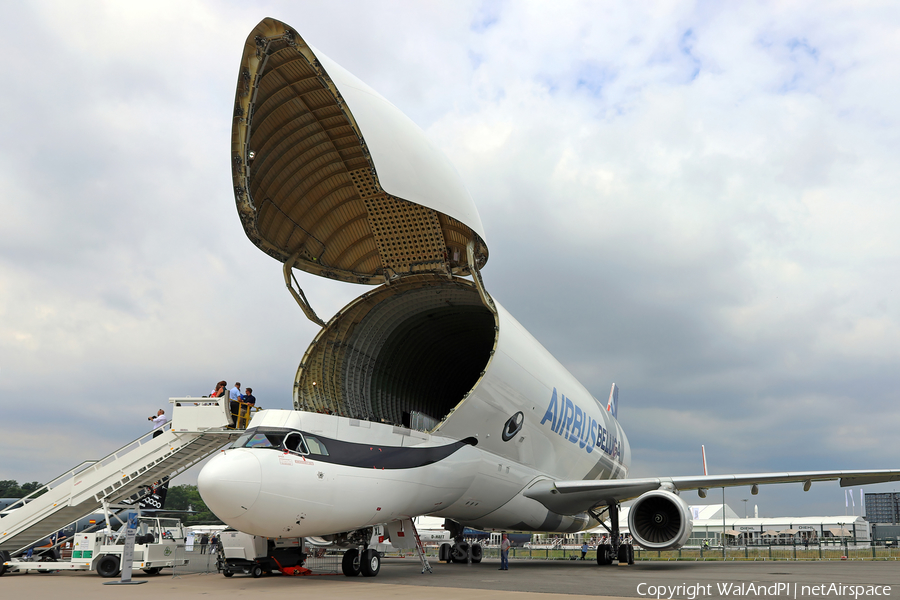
(420, 549)
(398, 532)
(199, 427)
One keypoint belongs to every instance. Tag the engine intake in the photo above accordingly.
(660, 520)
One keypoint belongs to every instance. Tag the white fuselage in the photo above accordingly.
(428, 349)
(472, 468)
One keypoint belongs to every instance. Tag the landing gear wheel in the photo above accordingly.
(256, 571)
(623, 554)
(476, 553)
(350, 563)
(630, 554)
(604, 554)
(444, 553)
(4, 556)
(460, 552)
(108, 566)
(371, 563)
(227, 573)
(153, 570)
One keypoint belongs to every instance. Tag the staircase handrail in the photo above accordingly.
(52, 484)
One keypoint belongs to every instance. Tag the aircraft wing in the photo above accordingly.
(573, 497)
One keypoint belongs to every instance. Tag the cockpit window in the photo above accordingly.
(281, 439)
(261, 438)
(293, 442)
(239, 443)
(265, 440)
(315, 446)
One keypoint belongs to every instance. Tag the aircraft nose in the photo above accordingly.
(229, 483)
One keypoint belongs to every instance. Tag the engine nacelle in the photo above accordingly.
(660, 520)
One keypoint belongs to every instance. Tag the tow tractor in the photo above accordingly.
(157, 544)
(256, 555)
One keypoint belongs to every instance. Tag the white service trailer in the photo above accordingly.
(159, 543)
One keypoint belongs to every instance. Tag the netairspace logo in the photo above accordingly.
(786, 590)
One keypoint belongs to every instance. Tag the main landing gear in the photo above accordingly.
(460, 551)
(616, 551)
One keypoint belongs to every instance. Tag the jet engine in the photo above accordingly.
(660, 520)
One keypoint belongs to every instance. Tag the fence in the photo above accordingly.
(732, 553)
(198, 559)
(774, 552)
(330, 563)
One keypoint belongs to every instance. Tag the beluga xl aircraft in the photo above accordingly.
(423, 396)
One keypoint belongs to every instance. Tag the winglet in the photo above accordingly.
(613, 405)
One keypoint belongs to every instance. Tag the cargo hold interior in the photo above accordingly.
(405, 354)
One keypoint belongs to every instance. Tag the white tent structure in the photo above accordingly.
(708, 525)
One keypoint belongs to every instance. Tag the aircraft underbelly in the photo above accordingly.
(486, 493)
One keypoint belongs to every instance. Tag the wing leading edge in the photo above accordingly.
(573, 497)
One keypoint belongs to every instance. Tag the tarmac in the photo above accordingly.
(525, 580)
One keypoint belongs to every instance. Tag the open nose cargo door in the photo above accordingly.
(331, 178)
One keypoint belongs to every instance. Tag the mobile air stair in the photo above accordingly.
(199, 427)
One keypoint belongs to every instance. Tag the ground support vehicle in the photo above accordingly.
(117, 482)
(159, 543)
(256, 555)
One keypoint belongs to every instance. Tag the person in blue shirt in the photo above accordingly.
(234, 396)
(504, 553)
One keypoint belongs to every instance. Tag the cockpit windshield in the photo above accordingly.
(261, 438)
(280, 439)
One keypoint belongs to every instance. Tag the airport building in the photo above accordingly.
(883, 513)
(708, 524)
(883, 508)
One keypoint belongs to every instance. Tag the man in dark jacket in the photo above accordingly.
(249, 398)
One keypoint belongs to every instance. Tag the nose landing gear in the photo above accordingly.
(370, 563)
(350, 563)
(367, 562)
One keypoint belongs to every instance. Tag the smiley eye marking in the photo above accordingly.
(512, 426)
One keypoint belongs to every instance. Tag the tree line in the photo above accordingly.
(186, 497)
(11, 489)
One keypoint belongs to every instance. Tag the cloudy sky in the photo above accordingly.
(694, 200)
